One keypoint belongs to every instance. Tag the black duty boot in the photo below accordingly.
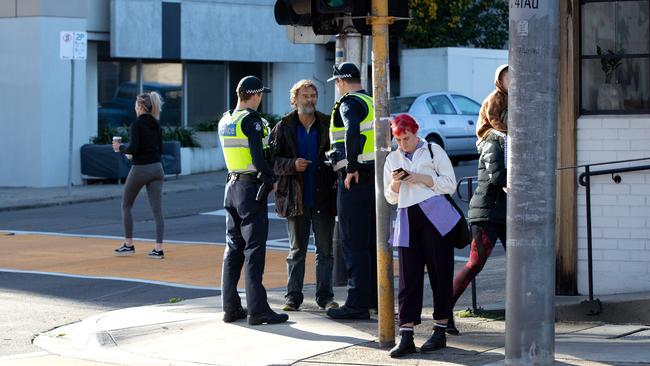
(347, 312)
(233, 316)
(270, 317)
(438, 340)
(405, 345)
(451, 327)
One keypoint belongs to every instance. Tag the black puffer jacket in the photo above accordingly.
(489, 200)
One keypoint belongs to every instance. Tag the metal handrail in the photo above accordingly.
(470, 192)
(585, 180)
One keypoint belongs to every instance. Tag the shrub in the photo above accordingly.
(207, 126)
(181, 134)
(105, 135)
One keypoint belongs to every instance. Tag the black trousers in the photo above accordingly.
(427, 248)
(247, 225)
(356, 212)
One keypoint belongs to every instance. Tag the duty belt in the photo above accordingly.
(244, 177)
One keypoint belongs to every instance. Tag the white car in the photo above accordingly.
(446, 118)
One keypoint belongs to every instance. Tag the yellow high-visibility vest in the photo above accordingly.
(367, 129)
(234, 142)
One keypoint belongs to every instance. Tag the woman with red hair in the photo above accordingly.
(416, 178)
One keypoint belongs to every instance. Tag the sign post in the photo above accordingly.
(72, 46)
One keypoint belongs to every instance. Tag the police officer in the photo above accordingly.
(352, 137)
(243, 134)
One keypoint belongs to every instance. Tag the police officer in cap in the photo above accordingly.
(243, 134)
(353, 157)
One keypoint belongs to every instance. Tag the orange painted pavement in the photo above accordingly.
(189, 264)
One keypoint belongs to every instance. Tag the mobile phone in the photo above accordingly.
(400, 170)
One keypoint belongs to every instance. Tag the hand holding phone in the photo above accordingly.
(401, 170)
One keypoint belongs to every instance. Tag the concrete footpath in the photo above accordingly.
(192, 333)
(16, 198)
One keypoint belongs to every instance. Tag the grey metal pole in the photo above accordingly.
(349, 48)
(70, 142)
(530, 282)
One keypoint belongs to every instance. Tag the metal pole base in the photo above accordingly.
(592, 307)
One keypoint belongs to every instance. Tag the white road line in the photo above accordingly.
(222, 213)
(136, 280)
(24, 355)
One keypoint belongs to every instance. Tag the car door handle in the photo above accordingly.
(470, 122)
(442, 121)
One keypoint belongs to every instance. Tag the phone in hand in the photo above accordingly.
(400, 170)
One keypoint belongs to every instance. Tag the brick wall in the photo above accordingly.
(620, 212)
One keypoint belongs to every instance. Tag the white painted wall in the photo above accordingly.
(620, 212)
(469, 71)
(34, 103)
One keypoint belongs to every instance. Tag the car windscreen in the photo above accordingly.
(401, 105)
(467, 106)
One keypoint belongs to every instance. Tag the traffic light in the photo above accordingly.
(339, 7)
(325, 16)
(293, 12)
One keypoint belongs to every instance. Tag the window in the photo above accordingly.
(467, 106)
(401, 105)
(167, 80)
(440, 104)
(615, 56)
(116, 91)
(206, 92)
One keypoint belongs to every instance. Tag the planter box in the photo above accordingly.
(100, 161)
(207, 139)
(200, 160)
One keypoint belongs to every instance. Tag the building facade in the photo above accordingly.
(193, 52)
(604, 104)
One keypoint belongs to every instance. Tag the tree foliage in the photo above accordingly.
(451, 23)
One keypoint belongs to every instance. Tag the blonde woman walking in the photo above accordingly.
(146, 170)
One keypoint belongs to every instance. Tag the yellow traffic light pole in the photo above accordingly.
(380, 20)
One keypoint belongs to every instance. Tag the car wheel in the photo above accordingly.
(436, 139)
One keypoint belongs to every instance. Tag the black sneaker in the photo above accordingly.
(233, 316)
(451, 327)
(437, 341)
(124, 250)
(156, 254)
(405, 345)
(289, 306)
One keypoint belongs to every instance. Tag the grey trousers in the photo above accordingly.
(151, 176)
(299, 228)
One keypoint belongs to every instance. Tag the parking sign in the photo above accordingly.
(73, 45)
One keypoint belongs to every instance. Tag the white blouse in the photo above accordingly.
(440, 169)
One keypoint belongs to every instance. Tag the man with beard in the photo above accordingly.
(306, 194)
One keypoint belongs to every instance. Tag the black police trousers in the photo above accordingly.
(247, 226)
(356, 213)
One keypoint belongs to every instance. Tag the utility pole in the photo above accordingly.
(530, 284)
(380, 22)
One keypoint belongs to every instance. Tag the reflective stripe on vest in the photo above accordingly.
(366, 128)
(234, 142)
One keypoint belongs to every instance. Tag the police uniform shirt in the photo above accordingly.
(252, 127)
(352, 112)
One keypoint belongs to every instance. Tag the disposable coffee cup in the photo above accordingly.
(119, 140)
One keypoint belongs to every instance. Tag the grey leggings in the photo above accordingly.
(152, 176)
